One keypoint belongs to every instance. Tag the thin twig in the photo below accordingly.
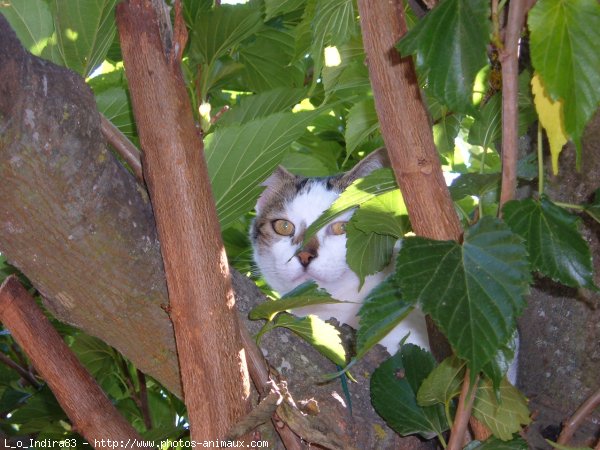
(24, 373)
(509, 57)
(578, 417)
(463, 412)
(122, 146)
(143, 396)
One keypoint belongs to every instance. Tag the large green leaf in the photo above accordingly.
(394, 387)
(84, 32)
(32, 21)
(274, 8)
(361, 123)
(240, 157)
(555, 245)
(381, 311)
(360, 191)
(383, 214)
(260, 105)
(564, 51)
(267, 62)
(451, 59)
(351, 74)
(473, 292)
(444, 134)
(504, 417)
(333, 23)
(214, 33)
(306, 294)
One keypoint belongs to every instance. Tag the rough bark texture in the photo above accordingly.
(84, 402)
(202, 304)
(75, 222)
(560, 329)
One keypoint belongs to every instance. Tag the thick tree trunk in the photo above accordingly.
(202, 304)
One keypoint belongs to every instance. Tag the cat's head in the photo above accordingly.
(288, 205)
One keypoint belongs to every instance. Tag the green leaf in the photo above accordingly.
(360, 191)
(268, 62)
(32, 22)
(443, 383)
(350, 75)
(476, 184)
(333, 23)
(261, 105)
(503, 418)
(240, 157)
(383, 214)
(493, 443)
(84, 32)
(361, 123)
(498, 367)
(367, 253)
(444, 134)
(274, 8)
(473, 292)
(451, 59)
(39, 410)
(564, 50)
(394, 385)
(555, 245)
(214, 33)
(306, 294)
(381, 311)
(325, 338)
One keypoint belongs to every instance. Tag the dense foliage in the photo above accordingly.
(286, 82)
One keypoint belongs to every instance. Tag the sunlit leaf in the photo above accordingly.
(306, 294)
(361, 123)
(505, 417)
(32, 22)
(240, 157)
(443, 383)
(551, 117)
(321, 335)
(367, 253)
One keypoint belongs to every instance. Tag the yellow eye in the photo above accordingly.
(283, 227)
(338, 228)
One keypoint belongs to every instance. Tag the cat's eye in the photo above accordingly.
(338, 228)
(283, 227)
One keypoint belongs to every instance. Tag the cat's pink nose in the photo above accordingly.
(305, 257)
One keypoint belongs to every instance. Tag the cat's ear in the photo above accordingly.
(277, 178)
(373, 161)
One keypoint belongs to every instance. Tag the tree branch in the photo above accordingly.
(200, 292)
(578, 417)
(463, 412)
(509, 58)
(24, 373)
(92, 413)
(122, 146)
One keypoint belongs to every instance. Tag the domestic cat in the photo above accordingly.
(288, 205)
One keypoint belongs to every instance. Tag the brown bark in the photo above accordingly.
(200, 293)
(405, 123)
(91, 412)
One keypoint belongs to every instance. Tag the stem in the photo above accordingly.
(442, 440)
(463, 412)
(143, 396)
(570, 206)
(24, 373)
(540, 155)
(578, 417)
